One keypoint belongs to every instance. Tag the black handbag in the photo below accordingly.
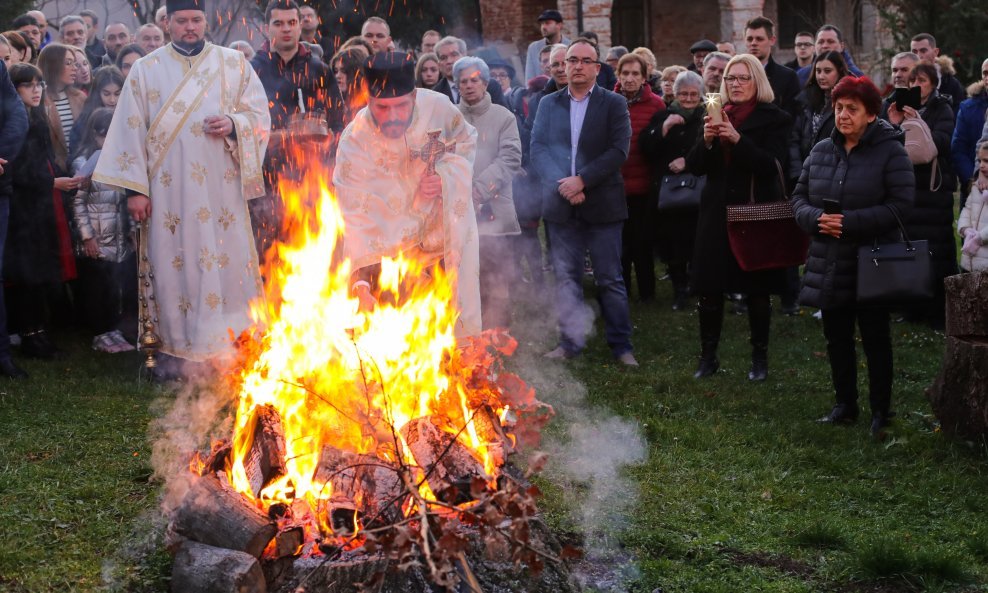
(891, 273)
(680, 191)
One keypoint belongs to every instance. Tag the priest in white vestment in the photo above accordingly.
(186, 144)
(391, 198)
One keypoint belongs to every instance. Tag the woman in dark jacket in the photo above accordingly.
(932, 216)
(639, 229)
(741, 158)
(666, 142)
(815, 121)
(865, 168)
(38, 253)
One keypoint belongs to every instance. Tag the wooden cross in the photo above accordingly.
(432, 150)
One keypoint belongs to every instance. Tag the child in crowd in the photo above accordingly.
(107, 265)
(108, 82)
(38, 254)
(972, 224)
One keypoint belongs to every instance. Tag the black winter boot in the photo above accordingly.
(759, 320)
(711, 313)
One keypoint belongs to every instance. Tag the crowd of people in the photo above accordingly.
(104, 138)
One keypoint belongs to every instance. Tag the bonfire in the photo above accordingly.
(361, 434)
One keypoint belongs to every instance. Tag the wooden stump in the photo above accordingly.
(200, 568)
(213, 513)
(448, 463)
(959, 395)
(361, 483)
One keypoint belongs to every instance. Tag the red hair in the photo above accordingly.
(859, 88)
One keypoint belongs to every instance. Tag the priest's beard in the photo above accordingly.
(394, 128)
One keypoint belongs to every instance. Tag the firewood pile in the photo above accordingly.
(432, 521)
(959, 395)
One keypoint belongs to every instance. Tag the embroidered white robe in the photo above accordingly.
(199, 242)
(376, 179)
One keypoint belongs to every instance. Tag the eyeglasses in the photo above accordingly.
(573, 61)
(688, 95)
(32, 85)
(501, 75)
(804, 44)
(743, 79)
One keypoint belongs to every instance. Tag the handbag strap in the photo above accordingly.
(902, 228)
(782, 184)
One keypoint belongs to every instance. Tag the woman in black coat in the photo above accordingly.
(38, 253)
(666, 141)
(741, 158)
(865, 168)
(815, 121)
(932, 216)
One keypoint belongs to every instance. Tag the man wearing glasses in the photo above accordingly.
(803, 46)
(580, 141)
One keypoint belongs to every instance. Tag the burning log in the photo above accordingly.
(265, 446)
(213, 513)
(287, 542)
(200, 568)
(360, 483)
(446, 461)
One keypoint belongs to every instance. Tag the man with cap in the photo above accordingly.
(186, 144)
(551, 25)
(700, 49)
(403, 177)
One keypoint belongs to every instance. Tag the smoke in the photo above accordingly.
(590, 449)
(186, 421)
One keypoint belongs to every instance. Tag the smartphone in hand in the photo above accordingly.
(831, 206)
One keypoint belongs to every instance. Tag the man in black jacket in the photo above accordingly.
(924, 45)
(759, 37)
(297, 84)
(13, 129)
(580, 141)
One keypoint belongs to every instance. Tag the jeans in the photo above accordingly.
(570, 241)
(838, 329)
(4, 220)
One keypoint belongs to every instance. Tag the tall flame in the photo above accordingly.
(343, 377)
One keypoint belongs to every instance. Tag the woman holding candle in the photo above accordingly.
(740, 152)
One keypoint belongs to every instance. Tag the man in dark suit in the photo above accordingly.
(759, 37)
(449, 49)
(580, 141)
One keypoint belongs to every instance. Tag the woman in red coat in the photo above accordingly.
(640, 226)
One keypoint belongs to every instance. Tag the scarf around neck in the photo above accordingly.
(678, 109)
(737, 113)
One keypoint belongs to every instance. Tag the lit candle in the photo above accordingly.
(301, 102)
(715, 107)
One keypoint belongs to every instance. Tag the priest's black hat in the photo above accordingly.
(176, 5)
(390, 74)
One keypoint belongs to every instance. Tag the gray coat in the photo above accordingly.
(498, 161)
(101, 213)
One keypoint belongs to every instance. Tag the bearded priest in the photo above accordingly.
(186, 145)
(403, 178)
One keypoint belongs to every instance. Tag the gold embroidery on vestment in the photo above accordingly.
(172, 221)
(203, 214)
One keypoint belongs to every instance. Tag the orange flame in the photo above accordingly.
(345, 378)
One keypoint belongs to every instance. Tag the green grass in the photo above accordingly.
(741, 490)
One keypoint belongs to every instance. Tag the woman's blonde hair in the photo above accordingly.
(763, 90)
(671, 72)
(649, 57)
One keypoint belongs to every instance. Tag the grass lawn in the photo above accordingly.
(740, 491)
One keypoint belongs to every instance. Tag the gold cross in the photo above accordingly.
(432, 150)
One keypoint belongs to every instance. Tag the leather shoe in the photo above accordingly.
(11, 370)
(559, 353)
(628, 359)
(841, 414)
(879, 422)
(707, 367)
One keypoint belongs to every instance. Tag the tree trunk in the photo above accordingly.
(959, 396)
(199, 568)
(967, 314)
